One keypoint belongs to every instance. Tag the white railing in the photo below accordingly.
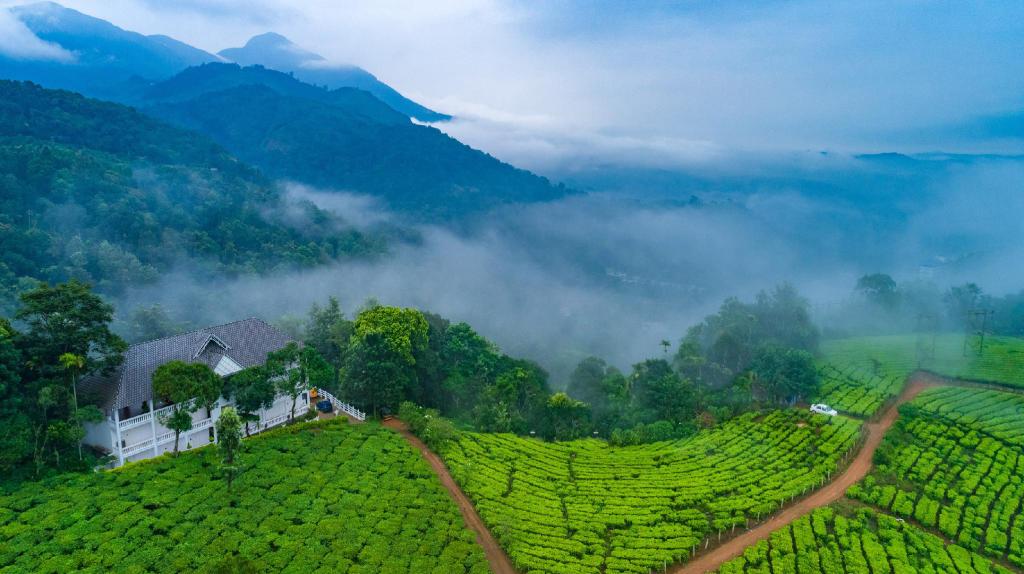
(165, 437)
(205, 423)
(343, 407)
(274, 421)
(144, 417)
(137, 447)
(135, 421)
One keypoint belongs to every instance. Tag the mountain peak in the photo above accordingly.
(268, 39)
(274, 51)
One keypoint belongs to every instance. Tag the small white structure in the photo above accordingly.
(822, 409)
(133, 429)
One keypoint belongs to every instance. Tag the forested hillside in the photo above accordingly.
(342, 139)
(100, 192)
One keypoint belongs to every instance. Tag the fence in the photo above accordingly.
(343, 407)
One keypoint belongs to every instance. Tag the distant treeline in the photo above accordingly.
(881, 305)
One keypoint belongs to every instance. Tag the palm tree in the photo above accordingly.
(73, 365)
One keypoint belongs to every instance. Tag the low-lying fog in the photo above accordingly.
(642, 256)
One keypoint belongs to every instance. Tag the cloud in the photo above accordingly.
(355, 210)
(611, 275)
(660, 82)
(545, 144)
(19, 43)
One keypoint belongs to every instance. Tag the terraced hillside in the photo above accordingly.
(856, 390)
(318, 497)
(955, 463)
(946, 495)
(583, 506)
(843, 538)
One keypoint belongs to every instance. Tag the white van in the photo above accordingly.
(824, 410)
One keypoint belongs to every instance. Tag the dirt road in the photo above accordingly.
(715, 557)
(496, 557)
(828, 494)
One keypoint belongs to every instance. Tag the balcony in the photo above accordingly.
(142, 419)
(163, 438)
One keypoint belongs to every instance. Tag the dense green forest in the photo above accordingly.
(342, 139)
(100, 192)
(737, 359)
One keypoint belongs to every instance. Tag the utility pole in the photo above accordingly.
(975, 327)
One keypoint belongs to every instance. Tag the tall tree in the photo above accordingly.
(229, 442)
(568, 417)
(295, 369)
(375, 376)
(153, 322)
(62, 319)
(661, 394)
(585, 382)
(328, 331)
(74, 365)
(186, 386)
(252, 389)
(15, 425)
(470, 363)
(784, 374)
(880, 289)
(381, 366)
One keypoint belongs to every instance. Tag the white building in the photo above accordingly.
(131, 431)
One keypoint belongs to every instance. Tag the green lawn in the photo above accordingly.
(584, 507)
(898, 355)
(317, 497)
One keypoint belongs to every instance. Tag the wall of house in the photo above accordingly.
(200, 437)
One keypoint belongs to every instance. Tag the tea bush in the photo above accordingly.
(839, 539)
(315, 497)
(954, 463)
(584, 506)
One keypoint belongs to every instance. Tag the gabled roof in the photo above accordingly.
(244, 342)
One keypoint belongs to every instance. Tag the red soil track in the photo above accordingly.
(824, 496)
(733, 547)
(496, 557)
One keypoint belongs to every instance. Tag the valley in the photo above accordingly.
(520, 288)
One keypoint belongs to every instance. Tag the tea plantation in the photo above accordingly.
(842, 539)
(583, 506)
(955, 463)
(317, 497)
(856, 390)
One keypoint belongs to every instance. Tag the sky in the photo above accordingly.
(658, 83)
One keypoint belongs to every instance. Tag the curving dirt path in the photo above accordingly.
(715, 557)
(496, 557)
(824, 496)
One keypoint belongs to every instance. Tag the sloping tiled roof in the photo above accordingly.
(246, 342)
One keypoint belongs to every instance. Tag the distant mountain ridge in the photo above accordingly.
(110, 62)
(337, 138)
(341, 139)
(277, 52)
